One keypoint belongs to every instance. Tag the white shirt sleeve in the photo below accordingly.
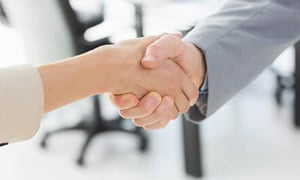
(21, 103)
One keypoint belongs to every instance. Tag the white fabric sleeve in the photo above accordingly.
(21, 103)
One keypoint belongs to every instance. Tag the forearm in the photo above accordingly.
(74, 78)
(28, 92)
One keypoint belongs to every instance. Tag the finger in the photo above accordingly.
(164, 121)
(182, 102)
(165, 111)
(125, 101)
(190, 90)
(167, 46)
(146, 106)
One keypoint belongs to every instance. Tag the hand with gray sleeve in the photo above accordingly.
(236, 44)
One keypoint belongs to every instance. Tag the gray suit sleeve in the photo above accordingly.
(240, 41)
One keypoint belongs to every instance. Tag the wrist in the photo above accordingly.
(199, 63)
(97, 70)
(75, 78)
(63, 83)
(119, 67)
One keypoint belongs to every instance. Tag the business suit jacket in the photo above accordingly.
(239, 42)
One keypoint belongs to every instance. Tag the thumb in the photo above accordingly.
(168, 46)
(144, 42)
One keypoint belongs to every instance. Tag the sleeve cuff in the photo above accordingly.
(21, 103)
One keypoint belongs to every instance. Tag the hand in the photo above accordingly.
(185, 55)
(128, 76)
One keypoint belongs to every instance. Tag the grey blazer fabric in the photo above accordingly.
(240, 41)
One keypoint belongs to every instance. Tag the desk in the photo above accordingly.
(192, 149)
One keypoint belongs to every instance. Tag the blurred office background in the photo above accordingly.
(253, 136)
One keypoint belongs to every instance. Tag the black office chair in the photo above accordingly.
(285, 76)
(96, 123)
(3, 16)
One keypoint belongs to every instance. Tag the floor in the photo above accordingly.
(249, 138)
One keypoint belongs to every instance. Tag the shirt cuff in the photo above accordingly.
(198, 112)
(21, 103)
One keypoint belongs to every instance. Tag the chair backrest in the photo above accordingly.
(3, 16)
(46, 35)
(53, 29)
(81, 19)
(80, 22)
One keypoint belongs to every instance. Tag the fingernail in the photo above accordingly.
(149, 57)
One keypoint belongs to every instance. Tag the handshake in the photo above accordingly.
(154, 79)
(151, 80)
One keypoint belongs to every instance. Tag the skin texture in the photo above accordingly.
(117, 69)
(157, 116)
